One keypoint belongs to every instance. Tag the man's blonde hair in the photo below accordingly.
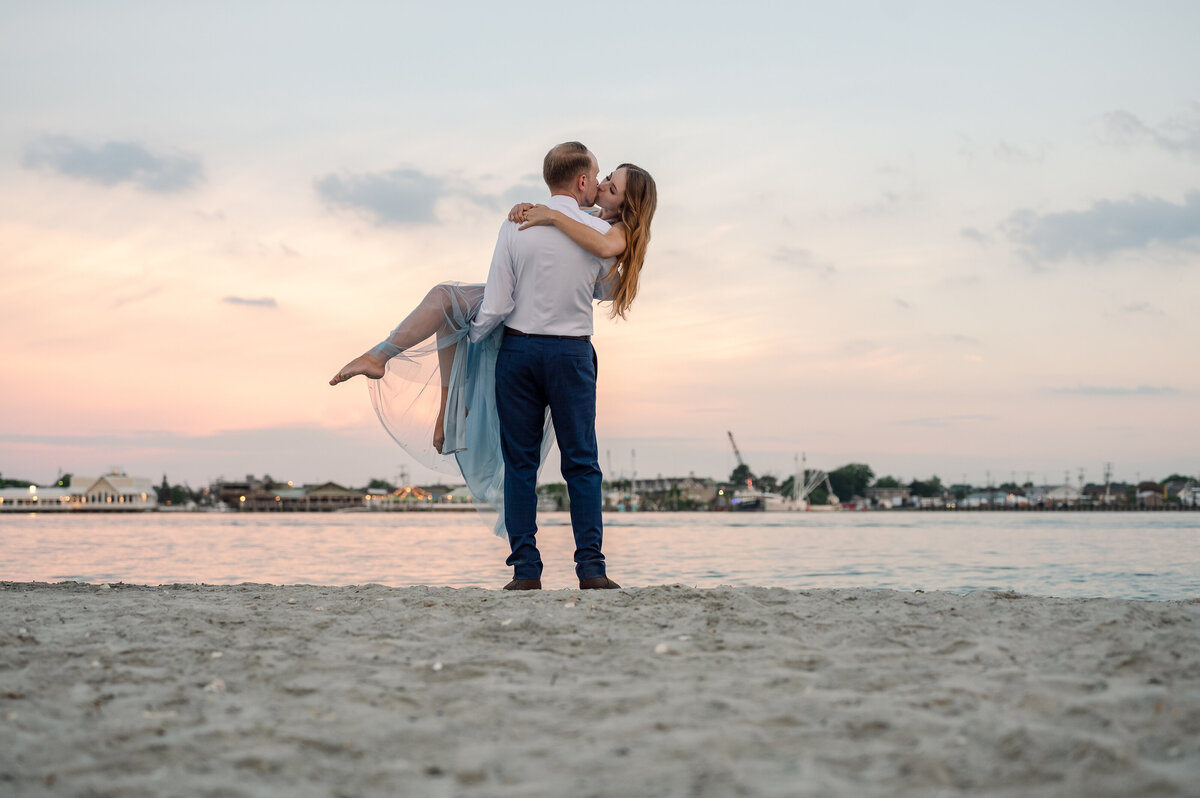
(564, 163)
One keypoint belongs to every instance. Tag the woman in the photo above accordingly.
(400, 385)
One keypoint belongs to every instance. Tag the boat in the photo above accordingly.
(748, 500)
(804, 482)
(754, 500)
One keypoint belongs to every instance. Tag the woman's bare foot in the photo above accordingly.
(366, 364)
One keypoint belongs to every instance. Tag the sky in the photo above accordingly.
(941, 238)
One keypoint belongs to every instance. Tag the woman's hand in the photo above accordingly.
(538, 215)
(517, 214)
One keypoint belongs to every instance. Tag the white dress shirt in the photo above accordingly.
(542, 282)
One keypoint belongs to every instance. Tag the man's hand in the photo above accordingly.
(537, 215)
(517, 214)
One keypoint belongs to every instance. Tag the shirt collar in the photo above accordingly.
(565, 202)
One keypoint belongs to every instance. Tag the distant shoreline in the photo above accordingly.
(1081, 508)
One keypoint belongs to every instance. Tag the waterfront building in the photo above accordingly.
(980, 498)
(459, 495)
(888, 497)
(115, 491)
(265, 495)
(1150, 498)
(35, 498)
(661, 493)
(1053, 494)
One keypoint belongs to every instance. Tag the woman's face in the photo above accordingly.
(611, 193)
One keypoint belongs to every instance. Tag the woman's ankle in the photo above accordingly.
(384, 351)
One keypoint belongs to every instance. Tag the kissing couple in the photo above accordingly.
(516, 364)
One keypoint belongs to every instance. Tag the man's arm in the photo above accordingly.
(498, 299)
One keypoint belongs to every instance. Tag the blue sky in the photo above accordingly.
(934, 237)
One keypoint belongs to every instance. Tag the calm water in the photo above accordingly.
(1120, 555)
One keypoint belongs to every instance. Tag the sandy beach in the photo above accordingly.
(256, 690)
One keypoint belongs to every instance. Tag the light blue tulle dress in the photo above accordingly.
(429, 351)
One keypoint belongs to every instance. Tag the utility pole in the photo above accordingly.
(633, 501)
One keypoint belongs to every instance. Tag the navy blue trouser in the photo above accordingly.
(532, 374)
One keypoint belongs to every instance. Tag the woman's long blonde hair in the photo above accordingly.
(641, 199)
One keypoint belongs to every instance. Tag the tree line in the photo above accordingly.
(854, 479)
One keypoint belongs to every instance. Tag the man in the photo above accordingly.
(541, 286)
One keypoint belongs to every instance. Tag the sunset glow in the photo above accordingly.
(932, 237)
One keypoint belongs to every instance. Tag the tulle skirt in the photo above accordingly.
(434, 352)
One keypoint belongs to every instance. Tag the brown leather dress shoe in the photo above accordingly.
(524, 584)
(598, 583)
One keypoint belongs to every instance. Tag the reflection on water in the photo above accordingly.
(1121, 555)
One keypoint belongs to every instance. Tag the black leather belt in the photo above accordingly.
(519, 334)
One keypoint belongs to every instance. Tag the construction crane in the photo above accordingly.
(736, 453)
(741, 462)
